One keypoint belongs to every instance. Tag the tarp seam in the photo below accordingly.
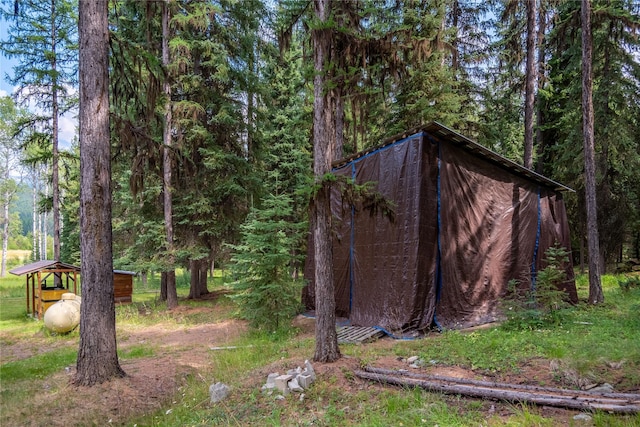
(535, 250)
(438, 277)
(351, 245)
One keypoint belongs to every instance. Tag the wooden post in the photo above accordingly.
(28, 293)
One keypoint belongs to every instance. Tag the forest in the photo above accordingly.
(212, 115)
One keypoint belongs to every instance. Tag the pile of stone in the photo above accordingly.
(295, 380)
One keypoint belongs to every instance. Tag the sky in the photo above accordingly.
(67, 123)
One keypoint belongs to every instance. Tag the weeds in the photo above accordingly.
(541, 304)
(629, 282)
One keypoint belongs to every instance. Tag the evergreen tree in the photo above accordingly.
(323, 150)
(10, 169)
(70, 209)
(615, 105)
(43, 38)
(266, 291)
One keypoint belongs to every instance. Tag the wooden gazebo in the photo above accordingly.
(46, 282)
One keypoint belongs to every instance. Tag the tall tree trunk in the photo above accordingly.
(97, 355)
(198, 283)
(202, 283)
(539, 140)
(530, 84)
(44, 250)
(163, 286)
(172, 295)
(595, 286)
(323, 148)
(5, 231)
(55, 180)
(339, 151)
(34, 217)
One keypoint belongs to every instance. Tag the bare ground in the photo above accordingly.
(153, 382)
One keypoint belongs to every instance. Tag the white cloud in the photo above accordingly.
(68, 125)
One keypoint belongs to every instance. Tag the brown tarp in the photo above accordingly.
(465, 224)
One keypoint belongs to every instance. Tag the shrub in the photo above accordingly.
(629, 282)
(539, 305)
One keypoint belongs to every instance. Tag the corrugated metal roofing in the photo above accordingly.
(440, 131)
(42, 265)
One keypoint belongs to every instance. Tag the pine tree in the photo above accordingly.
(266, 292)
(97, 353)
(615, 106)
(10, 168)
(43, 38)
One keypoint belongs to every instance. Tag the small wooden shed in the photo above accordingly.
(123, 286)
(47, 280)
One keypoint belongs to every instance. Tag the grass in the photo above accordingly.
(586, 340)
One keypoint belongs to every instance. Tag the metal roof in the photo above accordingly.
(130, 273)
(42, 265)
(50, 265)
(445, 134)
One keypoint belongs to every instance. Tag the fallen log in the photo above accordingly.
(582, 403)
(631, 397)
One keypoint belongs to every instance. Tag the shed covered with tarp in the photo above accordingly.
(466, 222)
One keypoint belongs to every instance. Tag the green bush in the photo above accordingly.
(541, 305)
(629, 282)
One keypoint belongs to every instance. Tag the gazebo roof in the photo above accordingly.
(43, 265)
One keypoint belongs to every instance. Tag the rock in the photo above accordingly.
(304, 380)
(282, 383)
(218, 392)
(308, 370)
(271, 381)
(616, 365)
(604, 388)
(412, 359)
(295, 372)
(582, 417)
(301, 399)
(294, 386)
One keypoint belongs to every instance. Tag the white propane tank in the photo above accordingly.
(64, 315)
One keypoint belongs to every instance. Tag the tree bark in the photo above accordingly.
(97, 355)
(5, 231)
(203, 269)
(595, 286)
(34, 219)
(163, 286)
(339, 111)
(530, 84)
(323, 149)
(172, 295)
(55, 173)
(574, 399)
(539, 139)
(198, 283)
